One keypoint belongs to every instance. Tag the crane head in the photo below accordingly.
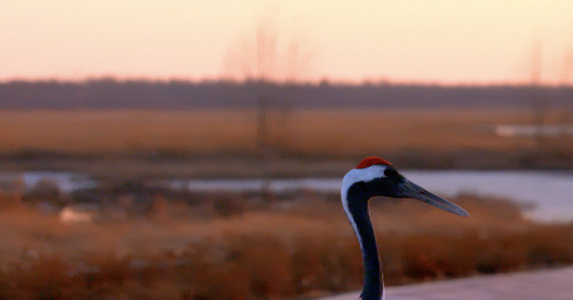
(375, 176)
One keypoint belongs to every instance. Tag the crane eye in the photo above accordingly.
(390, 172)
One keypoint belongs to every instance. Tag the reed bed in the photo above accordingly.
(304, 132)
(239, 248)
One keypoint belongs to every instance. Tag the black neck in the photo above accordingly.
(358, 211)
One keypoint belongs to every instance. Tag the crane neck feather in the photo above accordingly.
(356, 207)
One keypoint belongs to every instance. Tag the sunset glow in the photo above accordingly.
(400, 41)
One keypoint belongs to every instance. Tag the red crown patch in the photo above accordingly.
(372, 160)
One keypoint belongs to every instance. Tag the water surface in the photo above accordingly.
(551, 193)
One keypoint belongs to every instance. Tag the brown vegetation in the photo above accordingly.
(249, 249)
(223, 142)
(314, 132)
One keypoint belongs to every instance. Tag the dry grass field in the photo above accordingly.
(283, 250)
(223, 142)
(309, 132)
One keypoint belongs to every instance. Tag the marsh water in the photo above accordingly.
(545, 195)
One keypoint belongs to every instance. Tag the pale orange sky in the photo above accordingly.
(403, 41)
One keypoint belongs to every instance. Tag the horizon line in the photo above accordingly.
(316, 82)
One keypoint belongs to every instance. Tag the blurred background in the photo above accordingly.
(195, 149)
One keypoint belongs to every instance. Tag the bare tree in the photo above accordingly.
(270, 63)
(539, 105)
(567, 70)
(566, 117)
(536, 62)
(266, 55)
(559, 147)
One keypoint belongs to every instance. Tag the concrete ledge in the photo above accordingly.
(554, 284)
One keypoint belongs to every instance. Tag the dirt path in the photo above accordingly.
(556, 284)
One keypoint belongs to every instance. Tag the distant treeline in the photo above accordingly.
(111, 94)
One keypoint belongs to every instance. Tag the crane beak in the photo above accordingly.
(412, 190)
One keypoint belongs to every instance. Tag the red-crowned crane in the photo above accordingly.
(375, 176)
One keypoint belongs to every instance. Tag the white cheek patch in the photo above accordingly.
(352, 177)
(360, 175)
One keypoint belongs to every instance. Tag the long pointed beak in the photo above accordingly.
(412, 190)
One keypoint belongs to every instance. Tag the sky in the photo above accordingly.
(439, 41)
